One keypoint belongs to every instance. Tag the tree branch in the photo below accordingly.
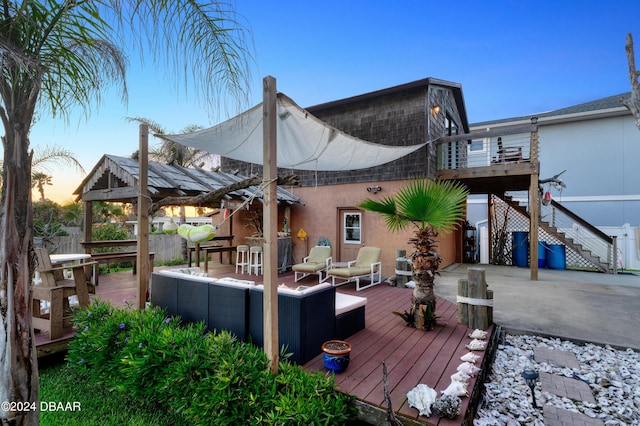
(213, 197)
(633, 102)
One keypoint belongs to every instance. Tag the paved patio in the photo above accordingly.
(575, 305)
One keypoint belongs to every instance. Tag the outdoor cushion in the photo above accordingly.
(347, 302)
(309, 267)
(176, 274)
(367, 256)
(293, 292)
(316, 260)
(350, 272)
(367, 264)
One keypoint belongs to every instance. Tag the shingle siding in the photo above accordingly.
(397, 118)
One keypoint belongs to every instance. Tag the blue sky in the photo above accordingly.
(511, 57)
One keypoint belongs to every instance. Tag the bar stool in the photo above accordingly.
(255, 260)
(242, 258)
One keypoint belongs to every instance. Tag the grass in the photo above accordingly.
(61, 383)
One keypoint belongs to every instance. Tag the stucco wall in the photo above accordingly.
(319, 218)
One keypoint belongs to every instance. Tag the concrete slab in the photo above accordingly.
(576, 305)
(556, 357)
(567, 387)
(554, 416)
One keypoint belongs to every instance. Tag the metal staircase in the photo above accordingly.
(586, 246)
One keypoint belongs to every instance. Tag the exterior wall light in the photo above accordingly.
(374, 189)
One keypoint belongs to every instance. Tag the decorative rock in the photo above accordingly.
(447, 406)
(470, 357)
(478, 334)
(612, 375)
(477, 345)
(421, 397)
(456, 388)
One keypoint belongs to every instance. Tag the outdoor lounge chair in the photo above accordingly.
(366, 265)
(318, 261)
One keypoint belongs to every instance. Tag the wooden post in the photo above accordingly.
(490, 308)
(477, 290)
(88, 224)
(463, 291)
(534, 210)
(143, 218)
(270, 219)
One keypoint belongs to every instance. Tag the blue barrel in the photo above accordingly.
(520, 245)
(542, 254)
(556, 256)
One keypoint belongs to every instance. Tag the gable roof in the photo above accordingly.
(115, 179)
(609, 106)
(456, 89)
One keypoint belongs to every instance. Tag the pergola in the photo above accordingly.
(275, 133)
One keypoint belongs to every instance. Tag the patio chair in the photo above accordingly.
(318, 261)
(509, 154)
(366, 265)
(56, 289)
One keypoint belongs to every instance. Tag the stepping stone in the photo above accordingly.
(556, 357)
(567, 387)
(554, 416)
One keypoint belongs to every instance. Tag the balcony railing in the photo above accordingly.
(499, 148)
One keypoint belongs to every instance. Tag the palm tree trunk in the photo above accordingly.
(18, 369)
(426, 262)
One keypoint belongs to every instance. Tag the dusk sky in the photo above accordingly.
(512, 58)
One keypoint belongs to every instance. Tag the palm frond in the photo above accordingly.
(388, 209)
(46, 156)
(424, 202)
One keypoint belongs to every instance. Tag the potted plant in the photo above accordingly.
(336, 355)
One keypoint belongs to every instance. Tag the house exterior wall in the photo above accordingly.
(599, 151)
(600, 156)
(319, 218)
(601, 159)
(394, 118)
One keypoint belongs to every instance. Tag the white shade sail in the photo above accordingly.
(304, 141)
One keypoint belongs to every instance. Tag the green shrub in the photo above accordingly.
(206, 378)
(108, 231)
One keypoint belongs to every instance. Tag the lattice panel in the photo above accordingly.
(505, 220)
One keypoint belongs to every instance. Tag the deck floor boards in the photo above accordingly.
(412, 356)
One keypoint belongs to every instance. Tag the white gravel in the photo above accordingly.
(613, 376)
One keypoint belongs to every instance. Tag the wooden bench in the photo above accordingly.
(208, 249)
(121, 256)
(115, 256)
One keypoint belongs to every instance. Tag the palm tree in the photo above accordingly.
(432, 207)
(171, 152)
(44, 157)
(39, 180)
(56, 55)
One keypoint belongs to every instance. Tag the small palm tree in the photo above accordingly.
(39, 180)
(433, 207)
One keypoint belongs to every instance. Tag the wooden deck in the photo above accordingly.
(411, 356)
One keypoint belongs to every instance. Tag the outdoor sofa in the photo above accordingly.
(307, 317)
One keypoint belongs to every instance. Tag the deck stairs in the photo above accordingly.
(586, 245)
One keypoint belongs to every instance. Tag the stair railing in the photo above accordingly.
(582, 232)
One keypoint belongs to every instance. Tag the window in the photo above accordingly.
(352, 228)
(476, 145)
(451, 126)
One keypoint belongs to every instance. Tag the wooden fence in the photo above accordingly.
(166, 247)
